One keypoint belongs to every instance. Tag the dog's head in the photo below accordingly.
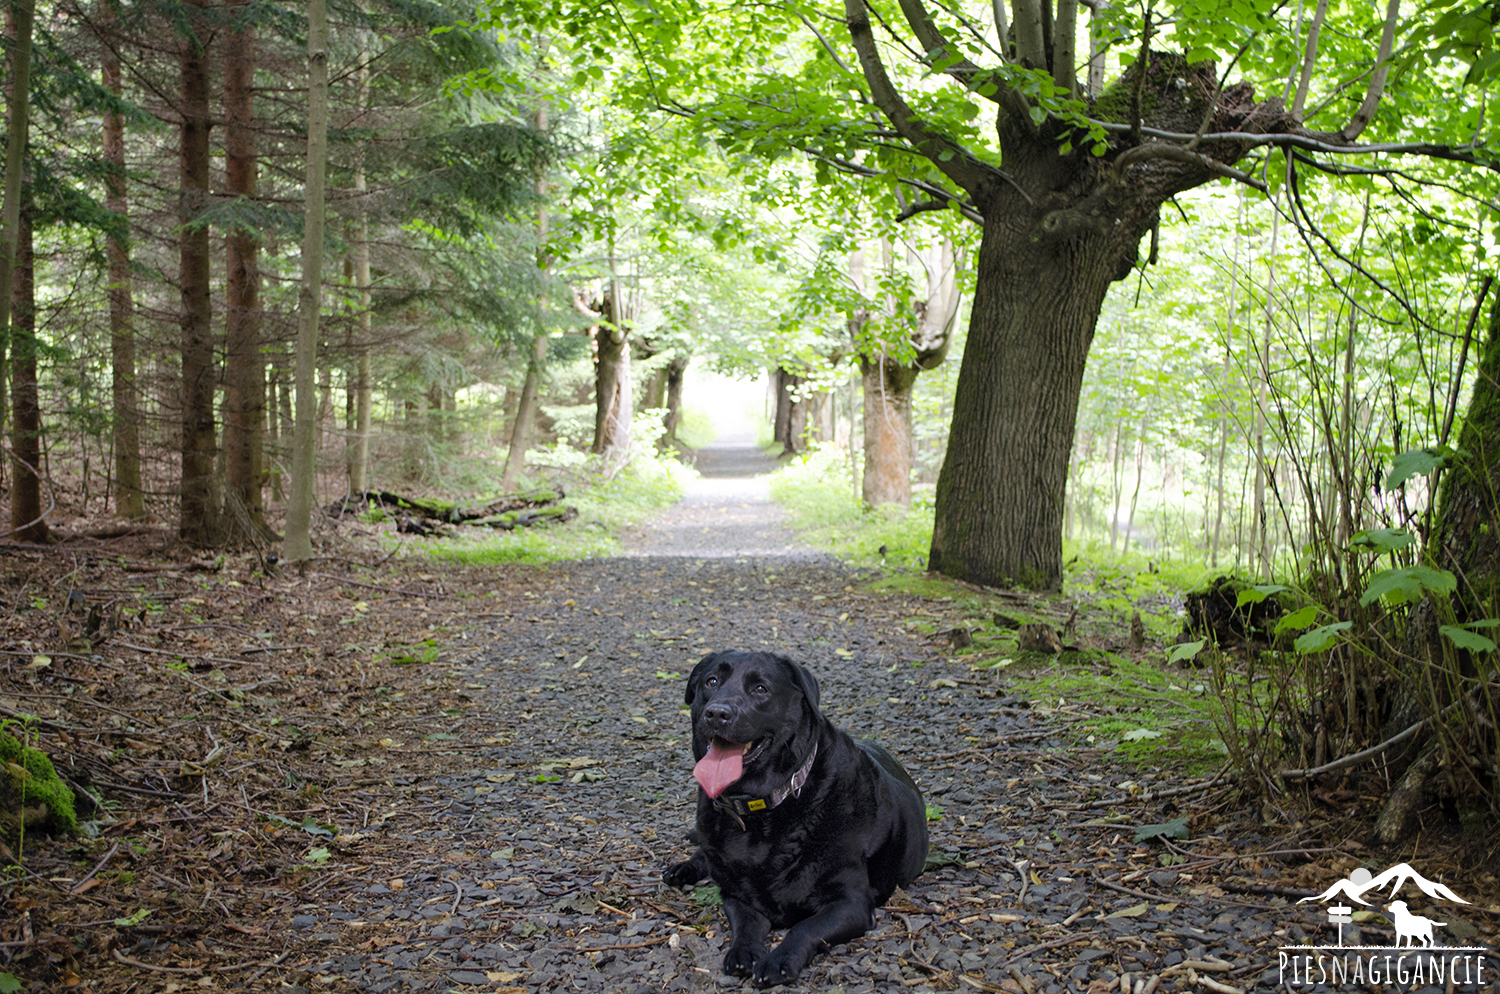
(755, 717)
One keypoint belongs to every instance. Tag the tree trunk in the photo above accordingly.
(526, 411)
(612, 385)
(26, 518)
(244, 372)
(676, 373)
(129, 498)
(359, 445)
(1035, 308)
(791, 411)
(526, 406)
(18, 26)
(888, 448)
(298, 544)
(199, 511)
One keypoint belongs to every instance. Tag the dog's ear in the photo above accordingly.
(805, 681)
(696, 677)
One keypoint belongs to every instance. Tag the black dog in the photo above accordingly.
(800, 825)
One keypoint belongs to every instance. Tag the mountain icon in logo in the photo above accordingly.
(1361, 882)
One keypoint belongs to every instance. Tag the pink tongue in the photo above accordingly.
(721, 767)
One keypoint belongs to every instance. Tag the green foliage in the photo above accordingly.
(1174, 829)
(1406, 585)
(826, 508)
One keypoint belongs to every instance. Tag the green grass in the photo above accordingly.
(636, 492)
(825, 507)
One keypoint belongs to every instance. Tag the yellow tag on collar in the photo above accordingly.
(758, 804)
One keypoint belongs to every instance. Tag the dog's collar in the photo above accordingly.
(741, 805)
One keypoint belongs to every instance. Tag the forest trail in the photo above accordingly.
(726, 512)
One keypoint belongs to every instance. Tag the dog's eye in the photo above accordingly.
(760, 689)
(712, 681)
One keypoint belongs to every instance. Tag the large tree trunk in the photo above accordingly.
(129, 497)
(888, 448)
(199, 511)
(244, 372)
(26, 518)
(298, 543)
(18, 27)
(1000, 494)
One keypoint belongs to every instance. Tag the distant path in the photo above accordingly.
(727, 512)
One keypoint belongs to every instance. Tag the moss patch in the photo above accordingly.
(31, 790)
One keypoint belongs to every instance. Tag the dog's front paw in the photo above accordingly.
(688, 872)
(740, 960)
(681, 875)
(780, 967)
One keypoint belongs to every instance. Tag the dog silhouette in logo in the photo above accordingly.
(1410, 926)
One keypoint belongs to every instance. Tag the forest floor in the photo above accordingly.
(390, 773)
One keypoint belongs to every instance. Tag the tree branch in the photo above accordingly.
(1065, 45)
(937, 47)
(952, 160)
(1177, 153)
(1309, 58)
(1376, 89)
(1031, 51)
(1315, 143)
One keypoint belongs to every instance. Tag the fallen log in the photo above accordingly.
(450, 512)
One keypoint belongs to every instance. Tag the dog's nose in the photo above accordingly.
(718, 715)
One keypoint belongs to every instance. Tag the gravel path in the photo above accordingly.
(537, 866)
(727, 511)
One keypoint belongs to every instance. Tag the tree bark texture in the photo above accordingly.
(676, 373)
(359, 447)
(526, 411)
(19, 17)
(791, 411)
(26, 519)
(612, 384)
(298, 543)
(1000, 494)
(129, 498)
(244, 371)
(198, 523)
(888, 445)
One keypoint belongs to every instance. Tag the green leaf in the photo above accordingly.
(1405, 585)
(1414, 462)
(934, 812)
(1465, 639)
(1321, 639)
(311, 827)
(1254, 595)
(1174, 829)
(1186, 650)
(317, 854)
(134, 919)
(9, 983)
(1382, 540)
(1298, 619)
(1139, 734)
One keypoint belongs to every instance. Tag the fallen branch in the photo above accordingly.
(1358, 757)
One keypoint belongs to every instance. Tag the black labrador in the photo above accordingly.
(800, 825)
